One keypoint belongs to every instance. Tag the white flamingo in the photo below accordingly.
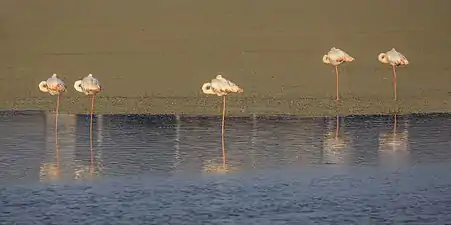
(336, 57)
(90, 86)
(394, 58)
(53, 86)
(221, 87)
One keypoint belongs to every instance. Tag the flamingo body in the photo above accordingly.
(336, 56)
(393, 58)
(88, 85)
(220, 86)
(53, 85)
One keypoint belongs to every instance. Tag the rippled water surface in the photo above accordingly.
(274, 170)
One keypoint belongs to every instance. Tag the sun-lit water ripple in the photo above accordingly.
(274, 170)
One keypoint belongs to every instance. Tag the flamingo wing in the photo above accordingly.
(60, 85)
(90, 85)
(342, 56)
(402, 59)
(396, 58)
(338, 56)
(55, 85)
(228, 86)
(232, 87)
(217, 85)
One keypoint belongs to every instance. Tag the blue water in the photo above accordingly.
(171, 169)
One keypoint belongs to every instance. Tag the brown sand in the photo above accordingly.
(153, 56)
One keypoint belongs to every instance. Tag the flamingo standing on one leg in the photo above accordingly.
(336, 57)
(221, 87)
(394, 58)
(53, 86)
(90, 86)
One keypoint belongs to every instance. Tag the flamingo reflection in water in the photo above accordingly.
(211, 166)
(82, 171)
(333, 143)
(95, 167)
(59, 151)
(221, 87)
(54, 86)
(52, 170)
(393, 145)
(223, 167)
(333, 139)
(396, 140)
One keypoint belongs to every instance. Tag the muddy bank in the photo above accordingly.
(236, 106)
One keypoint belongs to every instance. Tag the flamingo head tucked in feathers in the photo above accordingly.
(77, 86)
(43, 86)
(206, 88)
(383, 58)
(326, 59)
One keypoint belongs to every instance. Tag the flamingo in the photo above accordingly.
(394, 58)
(336, 57)
(89, 86)
(53, 86)
(221, 87)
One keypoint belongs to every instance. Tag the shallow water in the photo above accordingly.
(274, 170)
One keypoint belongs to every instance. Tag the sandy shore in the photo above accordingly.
(153, 56)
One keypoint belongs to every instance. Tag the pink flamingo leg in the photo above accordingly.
(57, 112)
(223, 132)
(394, 82)
(92, 112)
(57, 149)
(336, 83)
(337, 127)
(395, 124)
(90, 135)
(91, 169)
